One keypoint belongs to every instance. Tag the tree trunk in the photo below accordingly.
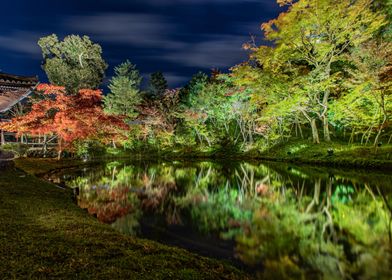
(380, 130)
(313, 125)
(351, 140)
(300, 131)
(327, 135)
(198, 136)
(315, 134)
(324, 115)
(208, 140)
(384, 112)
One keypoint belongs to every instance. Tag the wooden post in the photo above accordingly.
(44, 146)
(60, 149)
(2, 138)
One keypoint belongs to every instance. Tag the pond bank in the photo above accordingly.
(331, 154)
(256, 205)
(295, 151)
(44, 235)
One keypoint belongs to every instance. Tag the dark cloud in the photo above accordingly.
(21, 42)
(213, 52)
(177, 37)
(140, 30)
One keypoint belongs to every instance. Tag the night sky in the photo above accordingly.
(177, 37)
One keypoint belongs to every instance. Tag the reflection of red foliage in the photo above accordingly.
(262, 189)
(156, 195)
(108, 205)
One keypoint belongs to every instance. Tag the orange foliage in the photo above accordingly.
(70, 117)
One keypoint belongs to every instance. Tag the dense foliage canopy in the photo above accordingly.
(325, 74)
(75, 63)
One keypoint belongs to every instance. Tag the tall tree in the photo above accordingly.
(158, 85)
(129, 70)
(310, 41)
(75, 63)
(124, 93)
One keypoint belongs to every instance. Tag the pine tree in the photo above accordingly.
(158, 85)
(124, 93)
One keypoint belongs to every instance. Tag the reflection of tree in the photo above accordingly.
(335, 238)
(290, 219)
(128, 224)
(107, 204)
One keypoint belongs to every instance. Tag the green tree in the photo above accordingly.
(314, 35)
(75, 63)
(309, 58)
(386, 7)
(129, 70)
(366, 107)
(197, 83)
(124, 93)
(158, 85)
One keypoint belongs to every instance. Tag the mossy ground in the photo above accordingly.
(355, 155)
(38, 166)
(44, 235)
(294, 150)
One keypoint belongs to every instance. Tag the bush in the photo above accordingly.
(18, 149)
(6, 155)
(89, 148)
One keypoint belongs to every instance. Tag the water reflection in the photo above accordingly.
(287, 221)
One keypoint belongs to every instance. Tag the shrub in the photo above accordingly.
(18, 149)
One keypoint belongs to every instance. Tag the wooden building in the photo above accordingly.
(13, 89)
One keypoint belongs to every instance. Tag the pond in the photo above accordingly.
(271, 218)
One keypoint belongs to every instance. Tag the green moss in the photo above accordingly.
(35, 166)
(44, 235)
(355, 155)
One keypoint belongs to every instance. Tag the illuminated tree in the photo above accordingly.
(124, 93)
(311, 39)
(69, 117)
(75, 63)
(366, 107)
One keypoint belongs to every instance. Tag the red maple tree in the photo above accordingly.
(69, 117)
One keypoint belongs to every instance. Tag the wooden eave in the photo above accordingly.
(14, 89)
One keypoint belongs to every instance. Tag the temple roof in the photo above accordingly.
(13, 89)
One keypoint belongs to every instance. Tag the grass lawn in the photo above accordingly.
(44, 235)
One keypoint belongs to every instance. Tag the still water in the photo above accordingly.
(274, 218)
